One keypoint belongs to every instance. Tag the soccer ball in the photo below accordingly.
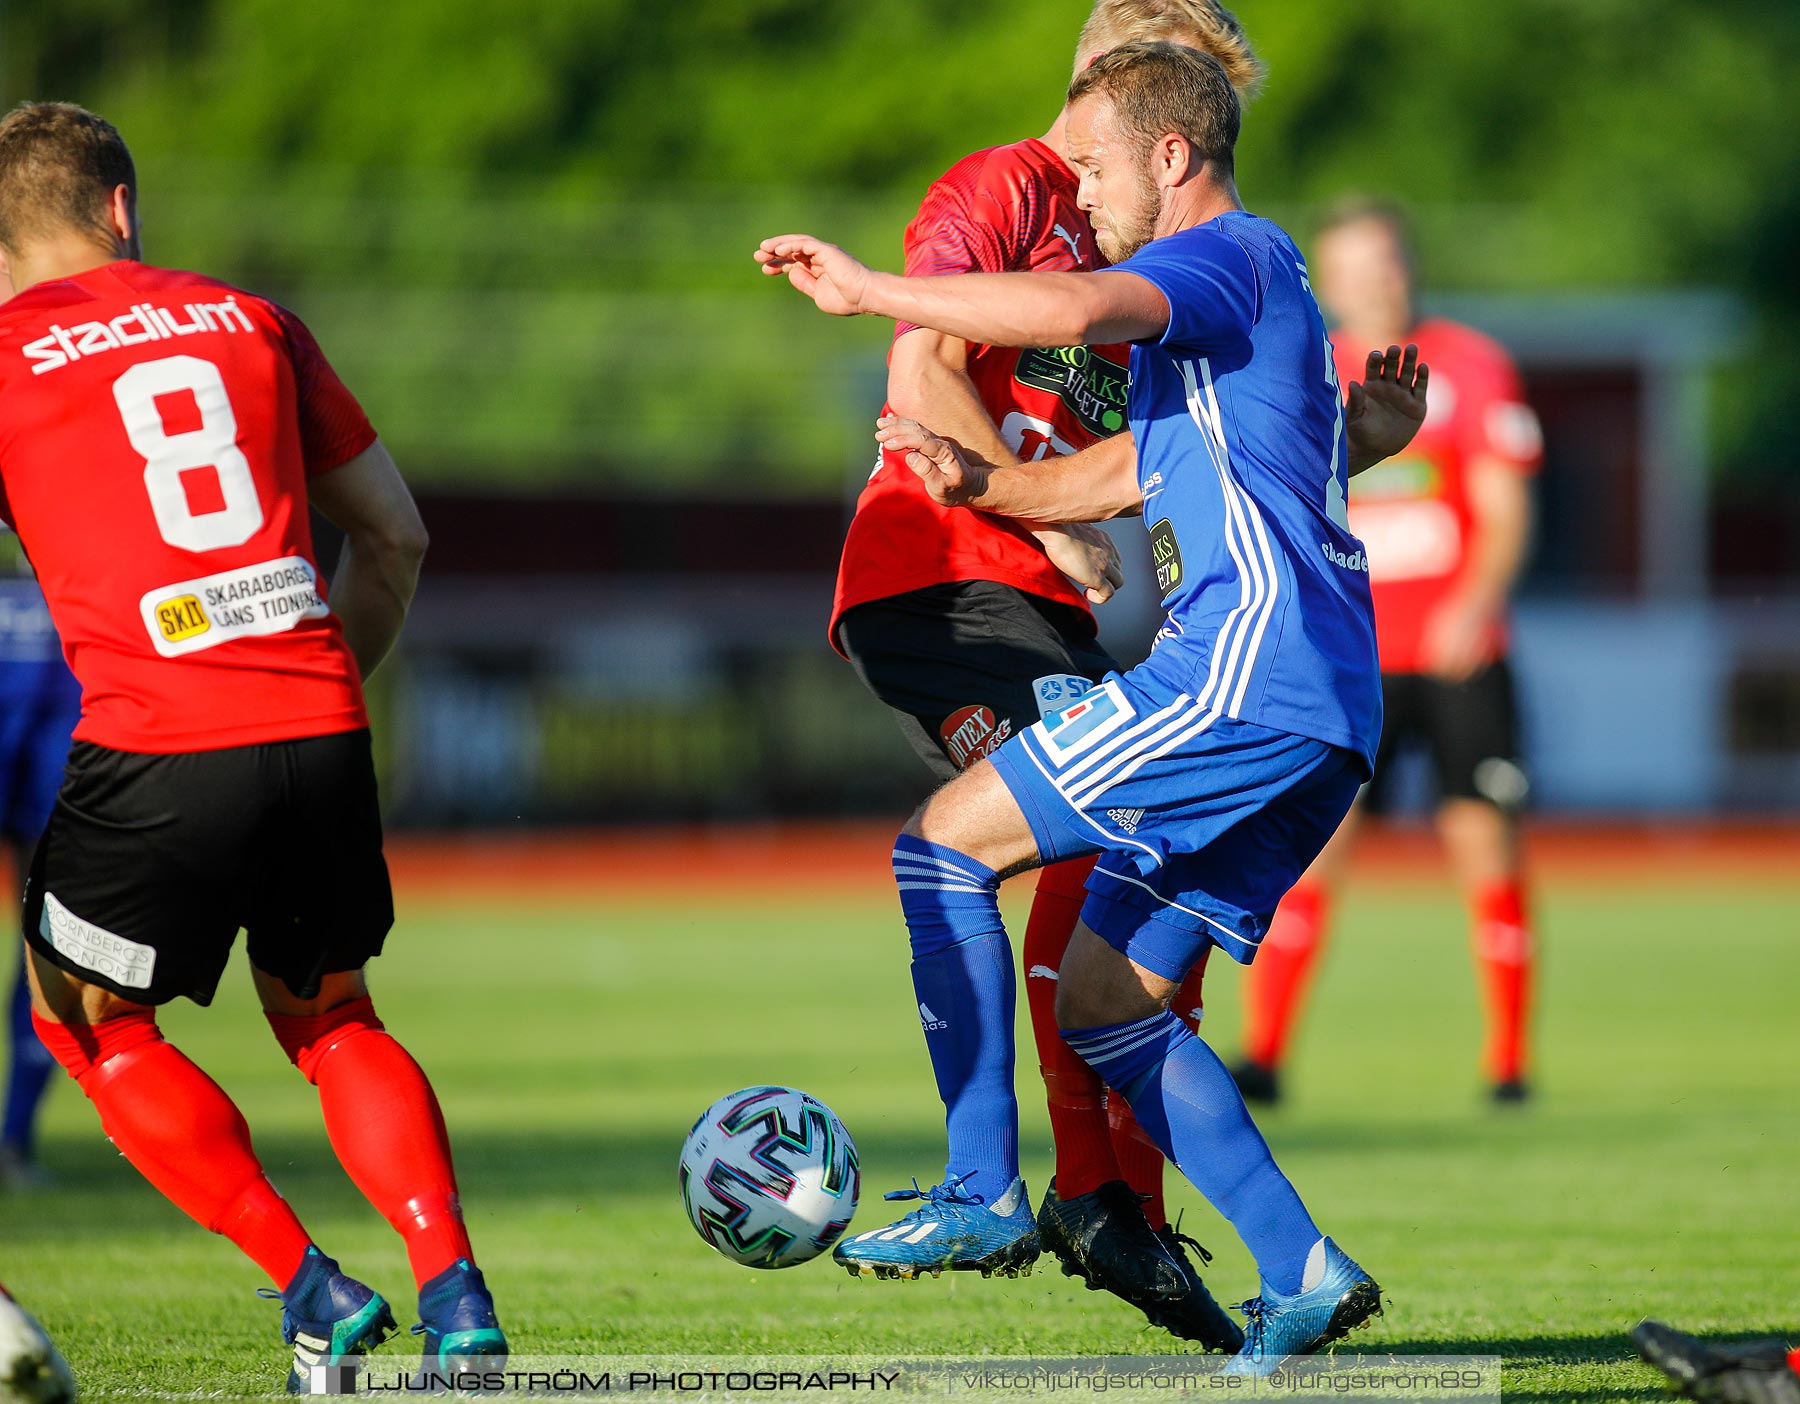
(769, 1176)
(32, 1371)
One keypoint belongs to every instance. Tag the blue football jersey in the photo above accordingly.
(1239, 425)
(26, 635)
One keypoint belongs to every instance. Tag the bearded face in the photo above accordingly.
(1131, 223)
(1123, 202)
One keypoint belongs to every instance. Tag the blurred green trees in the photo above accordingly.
(523, 229)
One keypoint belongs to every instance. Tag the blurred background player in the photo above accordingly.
(967, 625)
(1446, 524)
(1754, 1372)
(164, 436)
(39, 705)
(32, 1370)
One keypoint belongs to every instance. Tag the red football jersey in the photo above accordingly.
(1412, 511)
(1010, 209)
(156, 433)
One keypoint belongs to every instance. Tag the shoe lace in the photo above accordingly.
(289, 1329)
(1253, 1311)
(1194, 1243)
(950, 1192)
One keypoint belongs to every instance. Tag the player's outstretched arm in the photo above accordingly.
(384, 545)
(1385, 409)
(1000, 309)
(1095, 485)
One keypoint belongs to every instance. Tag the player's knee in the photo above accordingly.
(942, 820)
(308, 1038)
(1081, 1007)
(976, 814)
(85, 1050)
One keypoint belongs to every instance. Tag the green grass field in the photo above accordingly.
(573, 1042)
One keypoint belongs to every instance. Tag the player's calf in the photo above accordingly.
(400, 1158)
(177, 1126)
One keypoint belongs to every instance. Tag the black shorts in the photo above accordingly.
(967, 665)
(1470, 731)
(151, 863)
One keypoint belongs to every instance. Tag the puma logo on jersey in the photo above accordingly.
(142, 323)
(1041, 972)
(1072, 240)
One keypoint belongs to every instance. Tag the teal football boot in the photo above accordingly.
(462, 1334)
(328, 1317)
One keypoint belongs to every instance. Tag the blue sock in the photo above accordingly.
(28, 1069)
(962, 970)
(1188, 1104)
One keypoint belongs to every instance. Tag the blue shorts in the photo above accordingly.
(39, 705)
(1202, 822)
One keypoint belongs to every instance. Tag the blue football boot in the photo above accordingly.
(328, 1317)
(951, 1230)
(461, 1332)
(1279, 1326)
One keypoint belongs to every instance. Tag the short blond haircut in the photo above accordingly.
(1206, 26)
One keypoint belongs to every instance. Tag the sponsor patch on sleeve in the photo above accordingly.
(1165, 554)
(1514, 430)
(249, 602)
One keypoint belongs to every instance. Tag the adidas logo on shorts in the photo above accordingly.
(1126, 819)
(930, 1021)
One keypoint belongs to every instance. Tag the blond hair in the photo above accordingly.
(59, 166)
(1200, 24)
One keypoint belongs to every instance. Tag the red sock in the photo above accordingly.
(1504, 951)
(1276, 982)
(385, 1125)
(177, 1126)
(1084, 1146)
(1139, 1158)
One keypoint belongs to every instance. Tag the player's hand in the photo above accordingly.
(1459, 639)
(824, 272)
(1087, 555)
(951, 479)
(1386, 407)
